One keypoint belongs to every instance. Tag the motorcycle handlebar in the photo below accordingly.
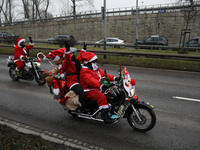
(31, 59)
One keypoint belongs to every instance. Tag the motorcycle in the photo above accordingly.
(123, 103)
(30, 71)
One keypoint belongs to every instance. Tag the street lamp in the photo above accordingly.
(137, 22)
(104, 27)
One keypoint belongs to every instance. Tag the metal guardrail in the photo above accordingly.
(129, 45)
(127, 53)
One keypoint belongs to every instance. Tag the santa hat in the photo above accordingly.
(88, 57)
(56, 54)
(19, 41)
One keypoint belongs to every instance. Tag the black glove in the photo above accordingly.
(84, 46)
(104, 88)
(30, 39)
(117, 78)
(24, 58)
(67, 46)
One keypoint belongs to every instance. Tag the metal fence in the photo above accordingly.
(129, 54)
(147, 9)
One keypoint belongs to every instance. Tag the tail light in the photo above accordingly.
(123, 42)
(5, 36)
(165, 41)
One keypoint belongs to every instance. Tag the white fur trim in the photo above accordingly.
(67, 52)
(83, 50)
(31, 43)
(22, 40)
(93, 58)
(56, 58)
(101, 88)
(73, 85)
(87, 90)
(21, 57)
(103, 107)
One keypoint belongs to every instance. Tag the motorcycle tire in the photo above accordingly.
(13, 74)
(147, 116)
(41, 80)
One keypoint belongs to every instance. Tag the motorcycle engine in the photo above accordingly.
(113, 94)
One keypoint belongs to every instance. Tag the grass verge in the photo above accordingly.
(11, 139)
(157, 63)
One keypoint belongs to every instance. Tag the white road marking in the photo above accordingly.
(187, 99)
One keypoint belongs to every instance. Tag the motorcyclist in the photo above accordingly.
(71, 66)
(89, 79)
(21, 51)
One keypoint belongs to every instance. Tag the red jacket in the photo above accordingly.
(69, 67)
(89, 79)
(19, 51)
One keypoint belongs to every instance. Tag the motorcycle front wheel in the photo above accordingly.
(147, 119)
(41, 79)
(13, 74)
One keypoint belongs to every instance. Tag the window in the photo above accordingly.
(155, 39)
(161, 39)
(113, 40)
(194, 41)
(148, 39)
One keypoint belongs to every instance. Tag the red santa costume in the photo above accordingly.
(21, 52)
(71, 67)
(68, 65)
(90, 78)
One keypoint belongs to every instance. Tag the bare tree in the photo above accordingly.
(65, 7)
(47, 6)
(189, 13)
(88, 3)
(26, 8)
(1, 8)
(9, 2)
(7, 10)
(36, 8)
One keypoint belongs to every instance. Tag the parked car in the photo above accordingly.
(154, 40)
(112, 41)
(193, 42)
(58, 39)
(8, 37)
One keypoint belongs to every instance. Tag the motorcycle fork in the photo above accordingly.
(136, 112)
(35, 70)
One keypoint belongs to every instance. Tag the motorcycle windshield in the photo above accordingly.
(127, 81)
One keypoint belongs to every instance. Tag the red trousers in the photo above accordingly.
(98, 97)
(20, 65)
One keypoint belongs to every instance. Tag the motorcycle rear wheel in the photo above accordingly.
(13, 74)
(147, 116)
(41, 80)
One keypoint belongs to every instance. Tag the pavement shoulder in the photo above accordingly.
(48, 135)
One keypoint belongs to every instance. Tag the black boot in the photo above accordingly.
(106, 117)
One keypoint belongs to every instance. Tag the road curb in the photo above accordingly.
(49, 136)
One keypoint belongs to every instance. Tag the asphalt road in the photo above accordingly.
(174, 94)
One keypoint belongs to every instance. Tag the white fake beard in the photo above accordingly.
(94, 66)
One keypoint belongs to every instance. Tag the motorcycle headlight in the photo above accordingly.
(38, 64)
(132, 91)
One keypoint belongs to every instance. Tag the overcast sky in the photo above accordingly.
(128, 3)
(58, 6)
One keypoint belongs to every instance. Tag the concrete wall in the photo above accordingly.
(92, 29)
